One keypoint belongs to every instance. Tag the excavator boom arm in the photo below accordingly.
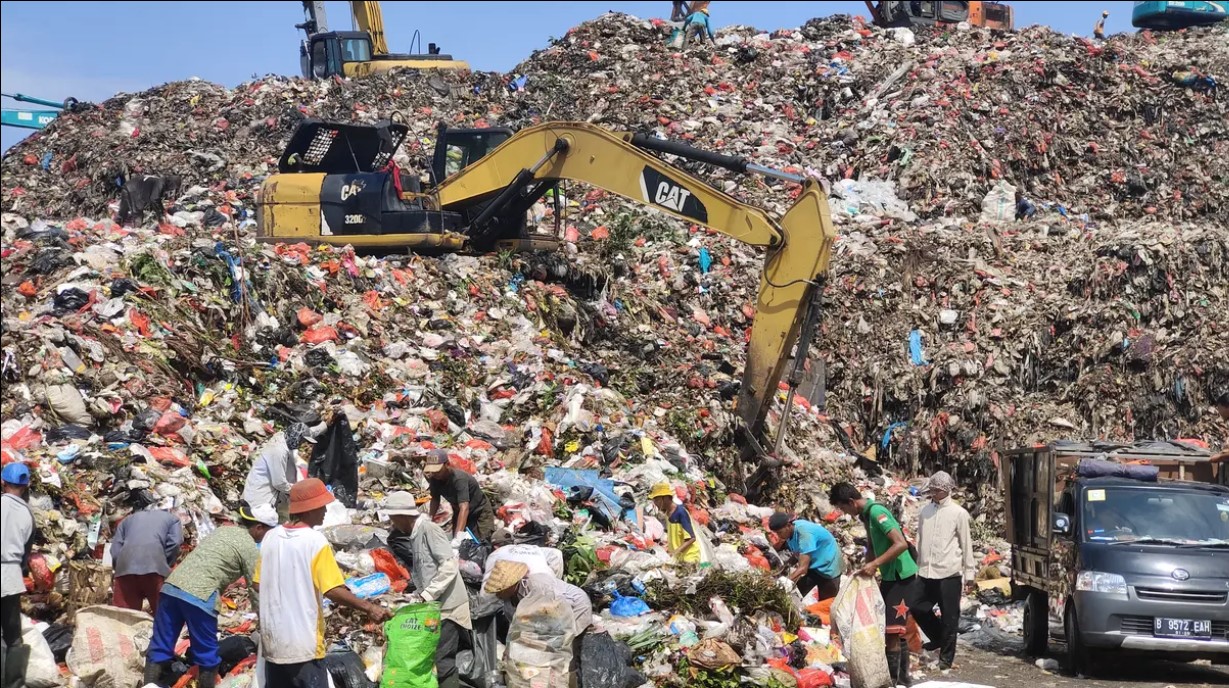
(798, 244)
(370, 18)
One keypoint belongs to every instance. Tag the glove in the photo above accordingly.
(456, 541)
(416, 599)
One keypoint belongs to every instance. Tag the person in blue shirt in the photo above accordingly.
(819, 557)
(698, 23)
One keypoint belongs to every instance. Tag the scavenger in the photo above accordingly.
(436, 576)
(275, 469)
(819, 557)
(16, 538)
(680, 533)
(296, 570)
(191, 595)
(945, 562)
(889, 555)
(511, 582)
(470, 508)
(143, 549)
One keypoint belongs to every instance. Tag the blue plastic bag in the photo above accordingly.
(369, 586)
(628, 606)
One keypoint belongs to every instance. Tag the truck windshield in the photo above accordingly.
(1131, 514)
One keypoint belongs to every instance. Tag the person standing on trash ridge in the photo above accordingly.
(819, 557)
(192, 594)
(143, 549)
(1098, 31)
(680, 532)
(16, 540)
(945, 562)
(511, 582)
(276, 469)
(470, 507)
(899, 584)
(295, 572)
(436, 576)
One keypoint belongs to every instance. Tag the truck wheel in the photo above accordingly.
(1036, 623)
(1079, 660)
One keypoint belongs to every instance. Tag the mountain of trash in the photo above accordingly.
(1032, 247)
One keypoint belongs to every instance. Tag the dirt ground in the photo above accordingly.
(997, 660)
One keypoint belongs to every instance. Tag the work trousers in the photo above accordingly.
(311, 674)
(10, 619)
(172, 615)
(943, 629)
(451, 634)
(131, 592)
(828, 587)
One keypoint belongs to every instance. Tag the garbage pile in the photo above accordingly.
(147, 356)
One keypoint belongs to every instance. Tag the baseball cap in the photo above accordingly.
(778, 521)
(436, 461)
(263, 513)
(16, 473)
(309, 495)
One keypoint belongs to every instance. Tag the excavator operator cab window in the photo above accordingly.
(320, 59)
(355, 50)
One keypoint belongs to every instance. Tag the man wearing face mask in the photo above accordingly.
(945, 561)
(275, 470)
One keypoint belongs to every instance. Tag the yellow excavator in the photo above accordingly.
(324, 53)
(336, 185)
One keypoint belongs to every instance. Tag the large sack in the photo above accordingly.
(409, 656)
(539, 650)
(41, 670)
(68, 405)
(109, 646)
(858, 614)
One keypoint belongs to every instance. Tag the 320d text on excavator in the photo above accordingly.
(336, 185)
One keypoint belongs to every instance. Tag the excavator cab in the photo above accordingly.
(904, 13)
(336, 185)
(349, 53)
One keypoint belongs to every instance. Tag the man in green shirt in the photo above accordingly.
(190, 595)
(889, 555)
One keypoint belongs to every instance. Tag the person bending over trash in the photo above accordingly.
(275, 470)
(296, 569)
(511, 582)
(680, 533)
(470, 508)
(192, 594)
(899, 583)
(436, 577)
(698, 23)
(143, 549)
(819, 557)
(545, 560)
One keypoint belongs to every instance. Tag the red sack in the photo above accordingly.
(757, 559)
(388, 565)
(319, 335)
(40, 574)
(309, 318)
(169, 456)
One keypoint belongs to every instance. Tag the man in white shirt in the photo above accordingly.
(945, 559)
(275, 469)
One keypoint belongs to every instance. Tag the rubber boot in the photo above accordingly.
(893, 653)
(208, 678)
(902, 675)
(154, 671)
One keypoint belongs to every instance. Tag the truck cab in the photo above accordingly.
(1120, 549)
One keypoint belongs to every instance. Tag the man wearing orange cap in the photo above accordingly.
(296, 570)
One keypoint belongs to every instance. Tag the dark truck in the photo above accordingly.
(1120, 548)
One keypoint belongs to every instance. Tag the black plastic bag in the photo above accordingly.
(59, 638)
(335, 461)
(478, 665)
(347, 670)
(234, 649)
(67, 432)
(607, 663)
(71, 299)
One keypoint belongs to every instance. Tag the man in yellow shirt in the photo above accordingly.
(680, 532)
(296, 570)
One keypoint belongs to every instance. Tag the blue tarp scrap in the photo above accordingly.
(603, 488)
(887, 434)
(915, 348)
(706, 261)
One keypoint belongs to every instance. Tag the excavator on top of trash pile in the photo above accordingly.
(337, 185)
(325, 53)
(901, 13)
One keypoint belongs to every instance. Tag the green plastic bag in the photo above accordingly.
(409, 656)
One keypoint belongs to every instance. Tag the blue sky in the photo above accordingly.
(92, 50)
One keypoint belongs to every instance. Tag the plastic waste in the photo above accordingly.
(858, 614)
(628, 606)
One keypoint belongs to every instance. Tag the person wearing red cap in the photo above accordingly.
(296, 570)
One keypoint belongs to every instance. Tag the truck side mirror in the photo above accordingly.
(1062, 525)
